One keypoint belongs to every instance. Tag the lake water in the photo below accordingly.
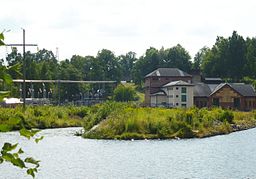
(66, 156)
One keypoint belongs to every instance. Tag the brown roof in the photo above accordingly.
(205, 90)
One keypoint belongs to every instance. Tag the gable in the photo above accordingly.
(225, 91)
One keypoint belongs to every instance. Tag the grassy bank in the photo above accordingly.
(42, 117)
(126, 121)
(113, 120)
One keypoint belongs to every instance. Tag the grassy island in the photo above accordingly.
(113, 120)
(128, 121)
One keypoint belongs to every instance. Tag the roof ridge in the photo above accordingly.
(168, 72)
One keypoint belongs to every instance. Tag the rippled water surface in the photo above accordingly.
(64, 155)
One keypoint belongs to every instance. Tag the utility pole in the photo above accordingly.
(58, 74)
(24, 71)
(24, 66)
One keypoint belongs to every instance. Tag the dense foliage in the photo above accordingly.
(105, 66)
(126, 121)
(42, 117)
(236, 54)
(233, 58)
(124, 94)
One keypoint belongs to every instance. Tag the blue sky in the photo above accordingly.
(83, 27)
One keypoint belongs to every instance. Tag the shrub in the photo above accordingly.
(124, 94)
(227, 115)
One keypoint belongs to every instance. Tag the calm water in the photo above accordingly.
(63, 155)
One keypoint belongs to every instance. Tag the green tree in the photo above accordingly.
(250, 66)
(236, 60)
(124, 94)
(111, 67)
(14, 57)
(199, 58)
(146, 64)
(227, 58)
(126, 63)
(177, 57)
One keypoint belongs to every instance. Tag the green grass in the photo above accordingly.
(139, 94)
(42, 117)
(113, 120)
(126, 121)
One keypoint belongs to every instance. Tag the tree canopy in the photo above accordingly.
(233, 58)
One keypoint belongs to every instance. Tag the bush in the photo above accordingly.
(124, 94)
(42, 117)
(228, 116)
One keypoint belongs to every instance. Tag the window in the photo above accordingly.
(171, 96)
(183, 98)
(215, 102)
(171, 88)
(177, 96)
(177, 104)
(183, 90)
(177, 88)
(183, 105)
(164, 104)
(236, 102)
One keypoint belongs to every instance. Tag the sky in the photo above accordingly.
(83, 27)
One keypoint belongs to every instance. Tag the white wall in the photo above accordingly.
(174, 96)
(157, 100)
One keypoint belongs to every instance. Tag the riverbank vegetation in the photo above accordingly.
(41, 117)
(115, 120)
(128, 121)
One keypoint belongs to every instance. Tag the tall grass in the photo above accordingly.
(124, 121)
(113, 120)
(43, 117)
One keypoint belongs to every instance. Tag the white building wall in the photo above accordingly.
(158, 100)
(153, 101)
(174, 96)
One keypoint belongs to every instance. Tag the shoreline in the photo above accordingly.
(174, 138)
(125, 122)
(128, 121)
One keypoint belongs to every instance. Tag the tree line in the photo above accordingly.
(232, 58)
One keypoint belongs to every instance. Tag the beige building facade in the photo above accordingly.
(174, 94)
